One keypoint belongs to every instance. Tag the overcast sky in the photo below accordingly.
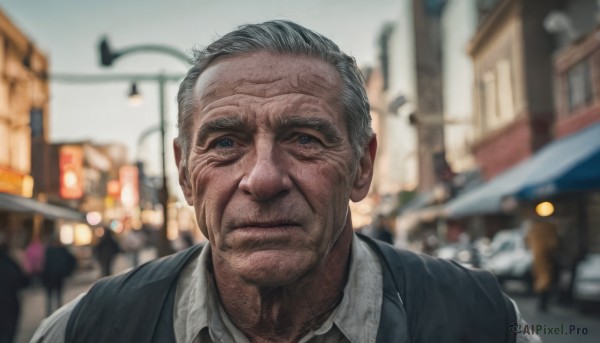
(68, 31)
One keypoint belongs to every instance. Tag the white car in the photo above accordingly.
(586, 285)
(508, 257)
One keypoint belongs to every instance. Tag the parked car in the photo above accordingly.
(508, 257)
(586, 285)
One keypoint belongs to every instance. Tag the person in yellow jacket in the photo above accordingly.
(542, 239)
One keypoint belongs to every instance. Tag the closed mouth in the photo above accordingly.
(273, 224)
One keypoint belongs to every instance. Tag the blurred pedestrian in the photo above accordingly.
(132, 244)
(59, 263)
(106, 250)
(542, 239)
(430, 243)
(381, 231)
(34, 258)
(12, 280)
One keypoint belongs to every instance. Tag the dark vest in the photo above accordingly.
(424, 300)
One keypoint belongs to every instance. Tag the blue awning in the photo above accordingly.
(569, 164)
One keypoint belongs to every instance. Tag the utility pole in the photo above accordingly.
(429, 96)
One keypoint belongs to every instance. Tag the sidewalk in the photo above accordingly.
(33, 299)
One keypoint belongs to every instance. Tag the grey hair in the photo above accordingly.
(281, 37)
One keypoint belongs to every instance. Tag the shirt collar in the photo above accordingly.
(357, 316)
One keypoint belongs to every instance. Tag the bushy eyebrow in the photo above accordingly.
(283, 123)
(217, 125)
(329, 131)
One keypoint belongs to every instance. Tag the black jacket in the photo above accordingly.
(424, 300)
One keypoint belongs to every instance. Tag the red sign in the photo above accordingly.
(71, 172)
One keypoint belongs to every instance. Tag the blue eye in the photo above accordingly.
(224, 143)
(305, 139)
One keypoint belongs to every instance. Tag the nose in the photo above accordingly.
(267, 177)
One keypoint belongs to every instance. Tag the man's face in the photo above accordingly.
(269, 171)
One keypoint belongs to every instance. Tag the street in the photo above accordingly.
(565, 320)
(33, 299)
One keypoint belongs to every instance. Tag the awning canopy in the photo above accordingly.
(569, 164)
(420, 201)
(14, 203)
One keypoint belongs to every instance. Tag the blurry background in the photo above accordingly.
(487, 114)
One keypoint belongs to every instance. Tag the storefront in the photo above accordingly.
(565, 173)
(20, 217)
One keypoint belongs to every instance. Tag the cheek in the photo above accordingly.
(337, 173)
(325, 185)
(211, 192)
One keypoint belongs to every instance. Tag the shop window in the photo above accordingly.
(579, 83)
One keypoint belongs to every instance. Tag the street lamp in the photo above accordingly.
(135, 98)
(107, 57)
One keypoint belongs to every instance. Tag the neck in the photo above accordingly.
(286, 313)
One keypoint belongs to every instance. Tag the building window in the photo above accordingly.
(4, 142)
(579, 85)
(506, 106)
(489, 100)
(497, 98)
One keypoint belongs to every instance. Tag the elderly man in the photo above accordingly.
(274, 140)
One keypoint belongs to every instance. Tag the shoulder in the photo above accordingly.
(53, 328)
(442, 297)
(426, 270)
(148, 273)
(120, 300)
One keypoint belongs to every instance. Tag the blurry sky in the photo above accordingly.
(68, 31)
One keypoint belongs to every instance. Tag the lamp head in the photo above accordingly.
(135, 97)
(107, 56)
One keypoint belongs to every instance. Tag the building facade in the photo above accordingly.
(459, 22)
(24, 97)
(513, 106)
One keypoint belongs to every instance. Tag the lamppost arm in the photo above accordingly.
(111, 78)
(108, 55)
(155, 48)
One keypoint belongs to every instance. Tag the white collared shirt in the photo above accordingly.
(198, 316)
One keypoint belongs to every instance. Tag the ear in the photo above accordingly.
(184, 179)
(364, 174)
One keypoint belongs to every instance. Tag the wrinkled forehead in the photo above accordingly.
(264, 74)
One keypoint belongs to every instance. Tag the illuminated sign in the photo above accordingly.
(13, 182)
(71, 172)
(113, 188)
(128, 177)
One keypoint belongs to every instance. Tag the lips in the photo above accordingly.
(265, 235)
(266, 225)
